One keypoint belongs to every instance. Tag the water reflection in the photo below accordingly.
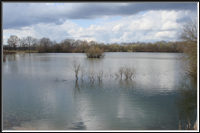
(34, 93)
(78, 126)
(13, 57)
(120, 105)
(10, 57)
(187, 103)
(9, 123)
(4, 57)
(126, 83)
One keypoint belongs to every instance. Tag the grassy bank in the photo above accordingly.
(18, 51)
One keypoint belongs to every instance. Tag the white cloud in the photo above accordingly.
(134, 25)
(25, 31)
(92, 27)
(165, 34)
(169, 25)
(169, 15)
(118, 27)
(146, 24)
(149, 27)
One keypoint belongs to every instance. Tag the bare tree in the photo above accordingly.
(68, 44)
(92, 42)
(121, 71)
(82, 72)
(13, 41)
(45, 44)
(91, 75)
(35, 43)
(23, 42)
(30, 41)
(189, 38)
(127, 71)
(84, 46)
(100, 75)
(78, 44)
(189, 31)
(76, 67)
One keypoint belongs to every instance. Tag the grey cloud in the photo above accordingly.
(87, 36)
(88, 11)
(26, 14)
(184, 19)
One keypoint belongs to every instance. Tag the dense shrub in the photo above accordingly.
(95, 52)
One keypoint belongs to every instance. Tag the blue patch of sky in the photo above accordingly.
(85, 23)
(143, 12)
(113, 19)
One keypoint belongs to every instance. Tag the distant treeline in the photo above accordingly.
(71, 45)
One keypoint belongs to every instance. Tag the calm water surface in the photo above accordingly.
(40, 92)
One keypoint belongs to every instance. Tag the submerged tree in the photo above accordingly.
(76, 67)
(189, 38)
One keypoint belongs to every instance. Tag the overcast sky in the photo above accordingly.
(101, 22)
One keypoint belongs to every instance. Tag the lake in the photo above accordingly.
(40, 92)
